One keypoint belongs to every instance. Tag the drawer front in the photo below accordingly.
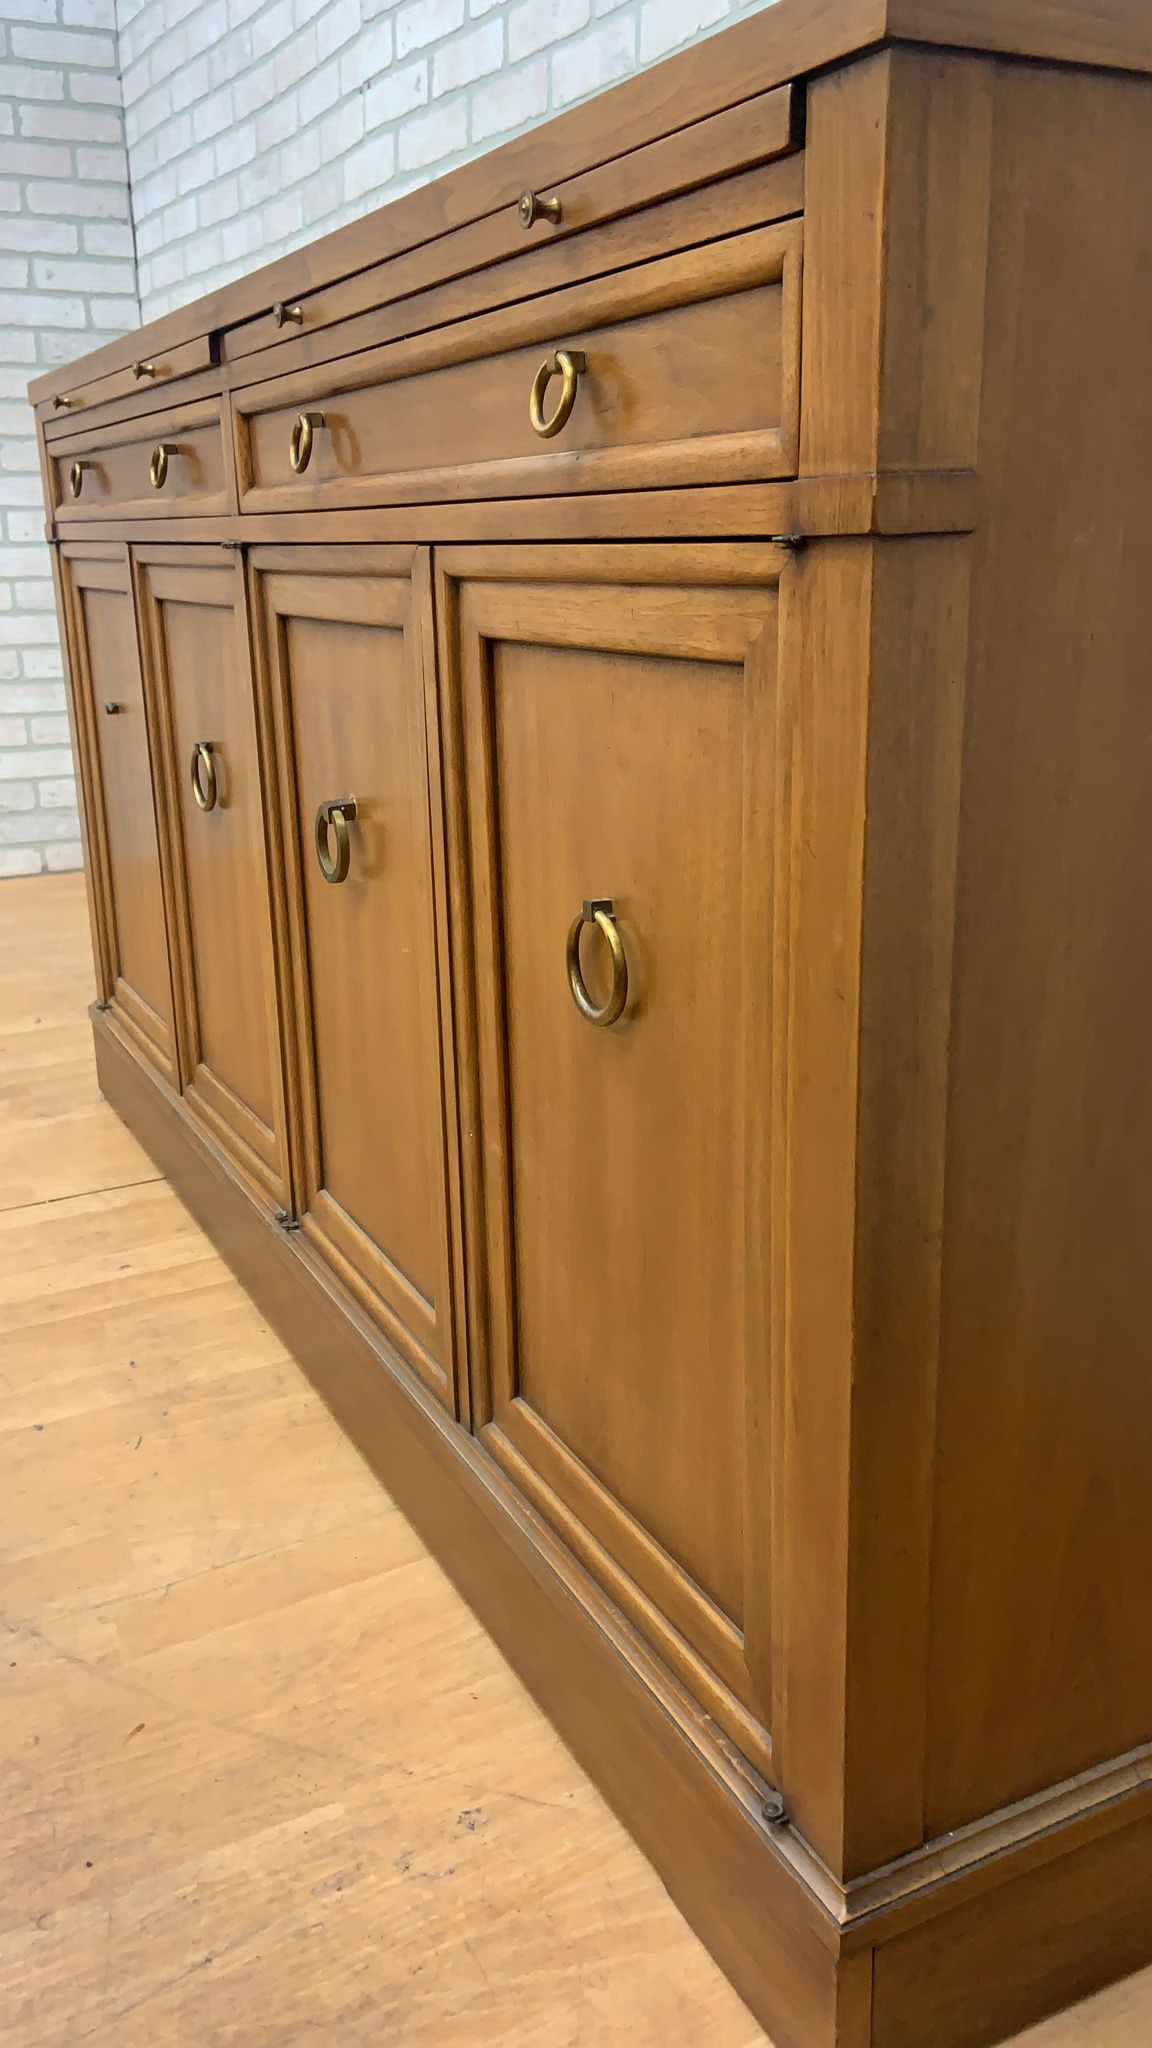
(683, 371)
(737, 170)
(162, 464)
(148, 374)
(618, 756)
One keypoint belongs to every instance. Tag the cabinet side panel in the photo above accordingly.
(1041, 1655)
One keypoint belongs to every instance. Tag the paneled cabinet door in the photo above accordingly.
(112, 730)
(195, 643)
(614, 916)
(344, 633)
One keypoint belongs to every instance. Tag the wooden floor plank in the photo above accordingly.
(263, 1780)
(60, 1139)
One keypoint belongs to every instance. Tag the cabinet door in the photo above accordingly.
(344, 634)
(196, 648)
(112, 727)
(616, 711)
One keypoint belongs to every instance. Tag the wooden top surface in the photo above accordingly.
(785, 42)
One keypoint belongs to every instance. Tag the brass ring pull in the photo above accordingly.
(76, 477)
(158, 467)
(204, 786)
(332, 821)
(303, 433)
(600, 912)
(532, 208)
(570, 364)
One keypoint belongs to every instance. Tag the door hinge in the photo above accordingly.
(794, 542)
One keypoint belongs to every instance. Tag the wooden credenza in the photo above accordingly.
(615, 737)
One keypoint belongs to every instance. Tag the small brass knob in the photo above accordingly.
(282, 314)
(113, 708)
(532, 208)
(60, 404)
(143, 370)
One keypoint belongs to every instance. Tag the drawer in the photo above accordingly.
(164, 463)
(149, 374)
(740, 169)
(682, 371)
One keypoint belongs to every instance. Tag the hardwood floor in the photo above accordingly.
(263, 1781)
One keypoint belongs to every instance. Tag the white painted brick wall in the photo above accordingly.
(255, 125)
(67, 283)
(252, 126)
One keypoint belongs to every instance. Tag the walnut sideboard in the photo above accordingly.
(613, 701)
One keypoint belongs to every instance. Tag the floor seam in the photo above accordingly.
(116, 1187)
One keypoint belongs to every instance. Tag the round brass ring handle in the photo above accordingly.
(601, 912)
(570, 364)
(158, 467)
(303, 433)
(76, 477)
(204, 786)
(332, 821)
(532, 208)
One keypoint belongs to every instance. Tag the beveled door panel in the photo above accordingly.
(616, 775)
(113, 733)
(196, 646)
(343, 632)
